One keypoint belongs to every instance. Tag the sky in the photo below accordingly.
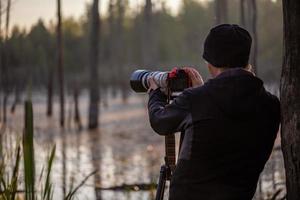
(26, 12)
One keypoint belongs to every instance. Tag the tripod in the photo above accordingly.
(167, 169)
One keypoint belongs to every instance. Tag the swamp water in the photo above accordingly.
(124, 151)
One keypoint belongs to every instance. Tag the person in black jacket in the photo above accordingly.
(230, 122)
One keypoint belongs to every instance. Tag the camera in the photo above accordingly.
(174, 81)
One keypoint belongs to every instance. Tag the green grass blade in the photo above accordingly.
(15, 175)
(72, 193)
(28, 152)
(48, 185)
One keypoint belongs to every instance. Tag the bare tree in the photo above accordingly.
(94, 61)
(148, 35)
(121, 63)
(1, 36)
(77, 117)
(7, 19)
(120, 31)
(60, 64)
(290, 97)
(254, 34)
(0, 19)
(1, 46)
(50, 91)
(221, 8)
(248, 19)
(242, 12)
(1, 74)
(111, 48)
(5, 74)
(17, 91)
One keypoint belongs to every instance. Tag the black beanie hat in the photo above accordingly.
(227, 45)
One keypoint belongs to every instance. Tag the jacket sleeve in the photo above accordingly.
(167, 118)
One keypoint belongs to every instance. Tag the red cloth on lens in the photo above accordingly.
(173, 73)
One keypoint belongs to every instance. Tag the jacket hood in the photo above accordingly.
(235, 92)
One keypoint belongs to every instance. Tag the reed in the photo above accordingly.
(47, 190)
(28, 152)
(10, 179)
(73, 191)
(9, 185)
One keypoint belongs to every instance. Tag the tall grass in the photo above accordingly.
(28, 153)
(73, 190)
(9, 189)
(47, 189)
(9, 185)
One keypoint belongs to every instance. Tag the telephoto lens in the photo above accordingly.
(140, 78)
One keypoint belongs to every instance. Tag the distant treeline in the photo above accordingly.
(149, 38)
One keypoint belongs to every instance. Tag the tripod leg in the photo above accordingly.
(161, 183)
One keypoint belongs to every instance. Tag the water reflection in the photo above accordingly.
(95, 146)
(64, 162)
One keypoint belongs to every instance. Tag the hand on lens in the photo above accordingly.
(152, 84)
(194, 76)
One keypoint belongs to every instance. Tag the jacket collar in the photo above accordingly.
(234, 72)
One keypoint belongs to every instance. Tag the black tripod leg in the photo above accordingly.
(161, 183)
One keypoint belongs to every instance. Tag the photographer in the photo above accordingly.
(229, 122)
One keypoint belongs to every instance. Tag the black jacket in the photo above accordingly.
(230, 126)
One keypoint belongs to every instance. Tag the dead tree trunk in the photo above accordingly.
(242, 12)
(17, 99)
(50, 91)
(94, 56)
(112, 37)
(5, 76)
(4, 107)
(60, 65)
(148, 35)
(249, 21)
(221, 8)
(290, 97)
(77, 118)
(254, 35)
(1, 60)
(121, 5)
(7, 19)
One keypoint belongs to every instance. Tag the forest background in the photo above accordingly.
(175, 40)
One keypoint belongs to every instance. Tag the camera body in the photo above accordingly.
(174, 81)
(178, 80)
